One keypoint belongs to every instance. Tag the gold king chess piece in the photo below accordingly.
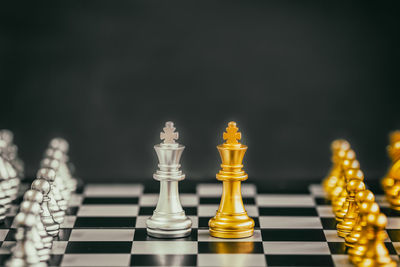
(231, 220)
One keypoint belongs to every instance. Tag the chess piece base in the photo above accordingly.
(231, 226)
(169, 225)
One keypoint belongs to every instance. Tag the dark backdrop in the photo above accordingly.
(295, 75)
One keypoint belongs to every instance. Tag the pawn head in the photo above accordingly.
(59, 143)
(355, 186)
(7, 136)
(369, 208)
(54, 154)
(33, 196)
(50, 163)
(47, 174)
(380, 221)
(25, 220)
(30, 207)
(354, 174)
(41, 185)
(365, 196)
(340, 144)
(350, 164)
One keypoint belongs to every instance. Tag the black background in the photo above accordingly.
(295, 75)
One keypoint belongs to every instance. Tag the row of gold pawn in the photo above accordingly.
(358, 216)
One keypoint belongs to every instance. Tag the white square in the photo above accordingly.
(325, 211)
(148, 200)
(113, 190)
(108, 211)
(215, 190)
(203, 235)
(332, 236)
(382, 202)
(69, 222)
(290, 222)
(317, 190)
(3, 234)
(231, 260)
(102, 235)
(59, 247)
(164, 247)
(393, 223)
(96, 260)
(275, 200)
(75, 201)
(296, 248)
(189, 200)
(342, 260)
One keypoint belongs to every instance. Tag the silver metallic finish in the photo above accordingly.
(169, 219)
(51, 226)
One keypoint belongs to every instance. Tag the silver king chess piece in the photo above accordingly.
(169, 219)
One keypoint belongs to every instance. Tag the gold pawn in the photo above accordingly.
(376, 253)
(364, 200)
(357, 252)
(343, 156)
(331, 179)
(339, 204)
(393, 150)
(349, 220)
(231, 220)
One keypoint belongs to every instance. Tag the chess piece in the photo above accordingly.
(393, 150)
(333, 175)
(349, 168)
(9, 175)
(376, 253)
(169, 219)
(48, 172)
(357, 252)
(32, 196)
(52, 226)
(25, 253)
(350, 218)
(364, 200)
(65, 166)
(341, 205)
(345, 158)
(231, 220)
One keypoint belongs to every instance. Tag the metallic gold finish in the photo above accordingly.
(332, 177)
(231, 220)
(341, 205)
(391, 182)
(364, 200)
(349, 220)
(357, 252)
(376, 253)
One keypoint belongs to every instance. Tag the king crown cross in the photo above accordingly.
(232, 135)
(169, 135)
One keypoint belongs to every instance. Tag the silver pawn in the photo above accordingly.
(6, 177)
(50, 174)
(25, 253)
(51, 226)
(34, 196)
(33, 208)
(169, 219)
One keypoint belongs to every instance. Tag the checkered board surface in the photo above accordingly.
(105, 226)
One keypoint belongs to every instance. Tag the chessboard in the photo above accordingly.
(105, 226)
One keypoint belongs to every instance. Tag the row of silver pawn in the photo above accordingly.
(43, 208)
(11, 172)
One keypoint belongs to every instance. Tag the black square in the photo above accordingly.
(110, 200)
(322, 201)
(299, 260)
(230, 247)
(293, 235)
(390, 247)
(337, 247)
(105, 222)
(55, 260)
(141, 235)
(268, 211)
(394, 234)
(120, 247)
(328, 223)
(163, 260)
(6, 224)
(4, 258)
(390, 212)
(10, 235)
